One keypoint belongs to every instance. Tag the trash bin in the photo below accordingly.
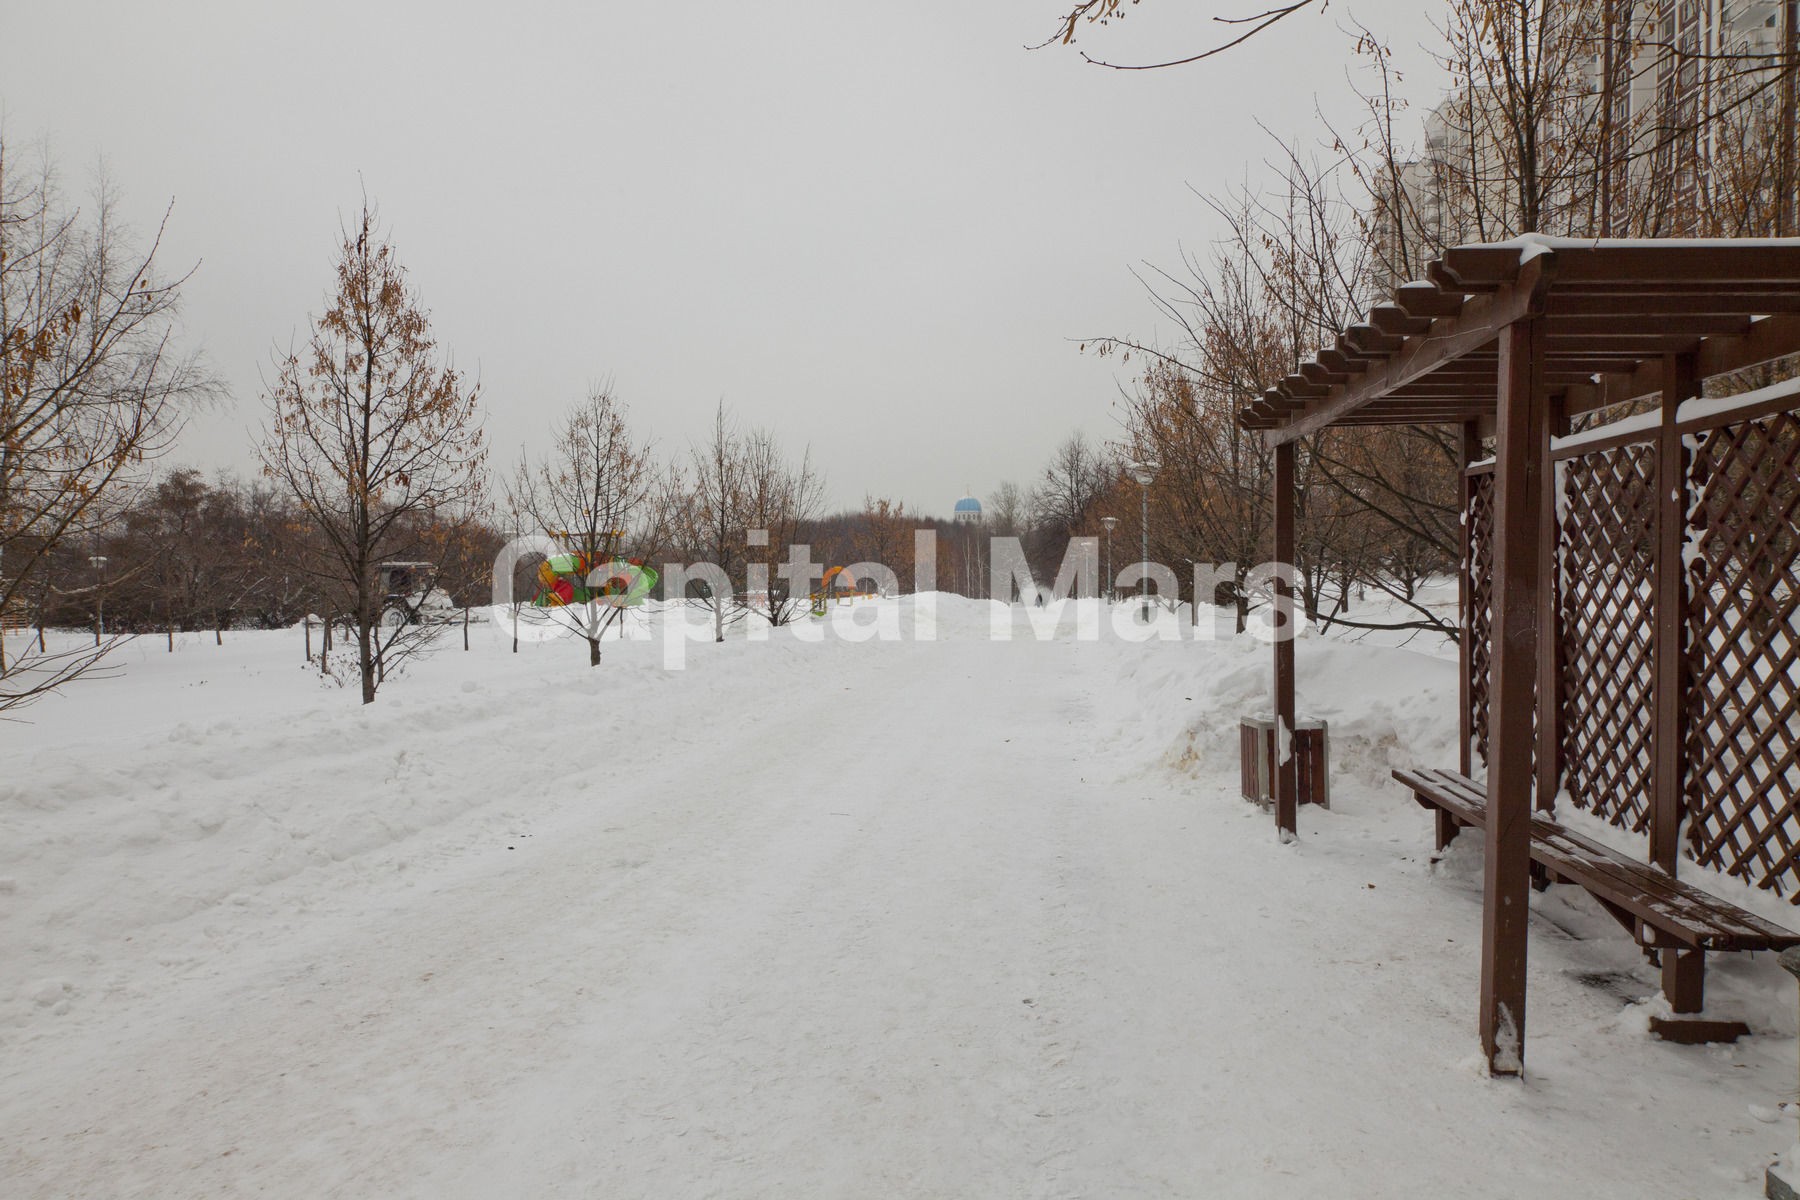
(1311, 760)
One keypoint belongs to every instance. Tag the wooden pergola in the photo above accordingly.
(1656, 608)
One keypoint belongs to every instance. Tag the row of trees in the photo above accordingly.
(188, 554)
(373, 454)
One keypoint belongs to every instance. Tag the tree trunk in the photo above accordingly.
(365, 644)
(593, 651)
(1608, 93)
(1788, 180)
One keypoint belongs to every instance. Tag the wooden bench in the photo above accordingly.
(1675, 923)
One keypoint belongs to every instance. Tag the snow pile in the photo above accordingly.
(1386, 707)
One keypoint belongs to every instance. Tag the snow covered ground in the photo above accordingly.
(956, 918)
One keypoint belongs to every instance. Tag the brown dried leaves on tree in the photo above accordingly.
(92, 389)
(373, 436)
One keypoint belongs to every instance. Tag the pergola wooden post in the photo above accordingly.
(1522, 459)
(1515, 338)
(1287, 776)
(1683, 970)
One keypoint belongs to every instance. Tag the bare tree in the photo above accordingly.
(1008, 510)
(780, 499)
(188, 539)
(370, 434)
(708, 516)
(884, 534)
(1076, 477)
(1240, 28)
(92, 389)
(1294, 267)
(588, 494)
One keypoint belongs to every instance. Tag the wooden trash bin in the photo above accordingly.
(1311, 760)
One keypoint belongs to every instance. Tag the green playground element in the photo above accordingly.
(566, 579)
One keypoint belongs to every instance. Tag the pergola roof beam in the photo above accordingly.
(1708, 303)
(1396, 321)
(1646, 325)
(1698, 261)
(1447, 280)
(1338, 364)
(1477, 326)
(1426, 300)
(1610, 311)
(1771, 338)
(1367, 339)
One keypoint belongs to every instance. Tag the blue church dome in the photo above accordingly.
(968, 508)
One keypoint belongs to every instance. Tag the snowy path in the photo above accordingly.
(884, 921)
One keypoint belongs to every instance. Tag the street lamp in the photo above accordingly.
(1109, 522)
(1144, 472)
(98, 562)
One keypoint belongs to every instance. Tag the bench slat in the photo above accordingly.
(1448, 783)
(1657, 883)
(1440, 788)
(1679, 910)
(1660, 901)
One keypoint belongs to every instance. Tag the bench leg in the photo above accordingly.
(1684, 984)
(1447, 828)
(1684, 979)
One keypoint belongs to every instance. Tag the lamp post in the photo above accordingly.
(98, 562)
(1109, 522)
(1144, 472)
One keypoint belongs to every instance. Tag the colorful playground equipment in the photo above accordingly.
(565, 579)
(838, 584)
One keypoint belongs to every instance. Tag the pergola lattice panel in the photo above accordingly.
(1477, 600)
(1607, 616)
(1743, 625)
(1477, 597)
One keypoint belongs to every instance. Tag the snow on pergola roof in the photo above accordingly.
(1609, 310)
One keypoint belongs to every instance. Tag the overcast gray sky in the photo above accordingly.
(873, 227)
